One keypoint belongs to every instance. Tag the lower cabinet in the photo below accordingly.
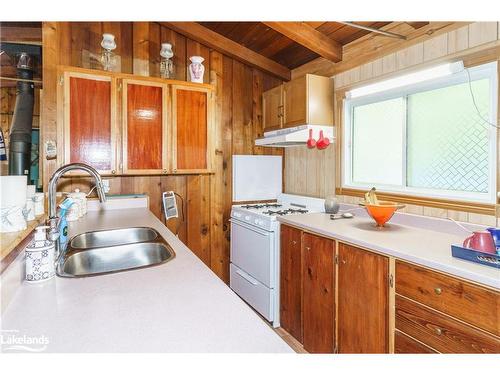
(307, 295)
(404, 344)
(318, 287)
(291, 281)
(363, 301)
(444, 313)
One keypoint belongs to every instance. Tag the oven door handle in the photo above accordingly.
(247, 277)
(249, 227)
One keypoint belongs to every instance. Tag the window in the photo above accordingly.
(430, 138)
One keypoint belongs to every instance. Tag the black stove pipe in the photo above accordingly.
(22, 121)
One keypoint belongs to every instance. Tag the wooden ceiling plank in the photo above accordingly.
(310, 38)
(229, 47)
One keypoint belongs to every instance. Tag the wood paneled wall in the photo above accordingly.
(207, 198)
(372, 58)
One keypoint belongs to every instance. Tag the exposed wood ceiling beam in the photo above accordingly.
(309, 37)
(417, 25)
(227, 46)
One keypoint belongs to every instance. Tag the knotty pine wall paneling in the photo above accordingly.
(238, 118)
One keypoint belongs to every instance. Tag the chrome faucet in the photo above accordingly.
(53, 220)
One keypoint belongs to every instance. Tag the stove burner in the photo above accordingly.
(263, 205)
(285, 212)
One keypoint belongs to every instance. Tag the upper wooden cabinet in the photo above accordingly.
(307, 100)
(363, 301)
(272, 108)
(191, 130)
(144, 119)
(88, 111)
(126, 124)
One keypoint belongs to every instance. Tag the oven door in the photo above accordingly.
(253, 250)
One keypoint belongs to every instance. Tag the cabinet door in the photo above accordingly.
(295, 102)
(89, 107)
(318, 294)
(363, 301)
(192, 128)
(291, 282)
(144, 127)
(272, 108)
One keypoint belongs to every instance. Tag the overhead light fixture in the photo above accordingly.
(407, 79)
(108, 44)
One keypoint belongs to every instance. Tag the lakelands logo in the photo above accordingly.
(11, 340)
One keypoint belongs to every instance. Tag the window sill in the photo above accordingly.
(478, 208)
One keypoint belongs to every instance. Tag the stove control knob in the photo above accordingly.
(247, 218)
(237, 214)
(258, 222)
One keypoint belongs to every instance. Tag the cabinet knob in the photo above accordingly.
(294, 242)
(307, 248)
(165, 171)
(113, 172)
(438, 331)
(438, 291)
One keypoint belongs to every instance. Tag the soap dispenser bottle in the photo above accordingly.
(40, 264)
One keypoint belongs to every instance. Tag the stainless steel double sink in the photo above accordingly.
(108, 251)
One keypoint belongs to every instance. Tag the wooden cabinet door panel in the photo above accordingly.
(295, 102)
(291, 282)
(318, 294)
(404, 344)
(363, 302)
(272, 108)
(144, 131)
(441, 332)
(191, 129)
(471, 303)
(89, 119)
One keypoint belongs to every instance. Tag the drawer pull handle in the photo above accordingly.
(248, 278)
(438, 291)
(439, 331)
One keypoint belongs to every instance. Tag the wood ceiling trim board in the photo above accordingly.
(229, 47)
(21, 34)
(310, 38)
(371, 47)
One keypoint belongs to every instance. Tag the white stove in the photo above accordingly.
(255, 235)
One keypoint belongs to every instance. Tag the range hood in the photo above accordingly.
(296, 136)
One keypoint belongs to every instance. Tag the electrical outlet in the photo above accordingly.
(106, 186)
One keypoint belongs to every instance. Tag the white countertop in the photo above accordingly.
(414, 243)
(179, 306)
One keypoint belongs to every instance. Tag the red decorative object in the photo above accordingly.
(322, 142)
(311, 142)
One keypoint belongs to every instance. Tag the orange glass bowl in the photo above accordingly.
(382, 212)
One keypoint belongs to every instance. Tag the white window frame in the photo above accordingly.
(488, 71)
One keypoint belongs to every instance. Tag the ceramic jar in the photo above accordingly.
(196, 69)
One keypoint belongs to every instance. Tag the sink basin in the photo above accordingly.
(103, 252)
(113, 237)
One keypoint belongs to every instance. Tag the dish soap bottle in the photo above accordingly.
(40, 264)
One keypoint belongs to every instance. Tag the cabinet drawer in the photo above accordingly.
(252, 291)
(440, 332)
(468, 302)
(404, 344)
